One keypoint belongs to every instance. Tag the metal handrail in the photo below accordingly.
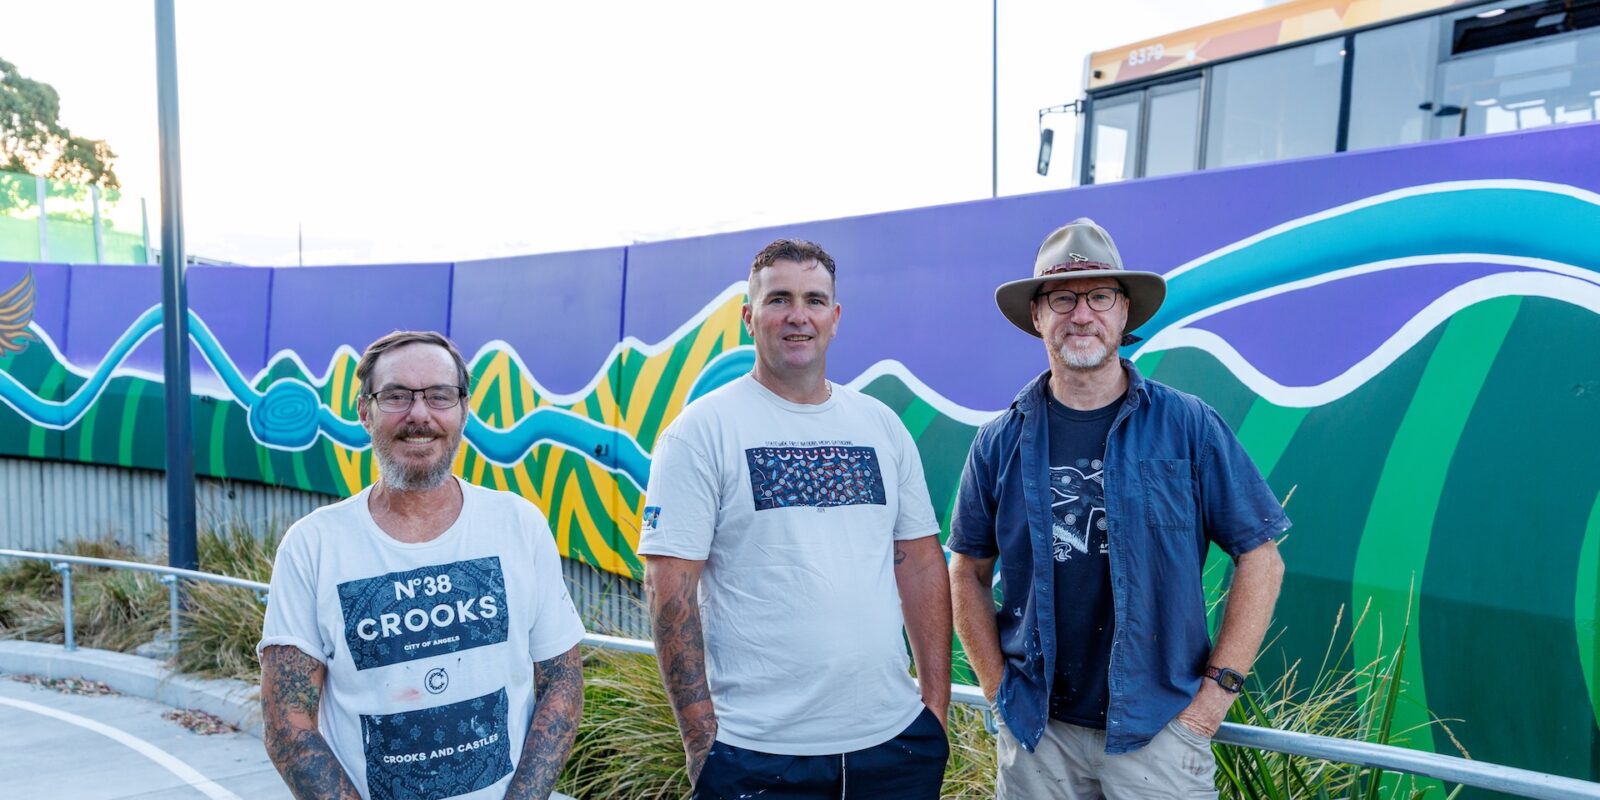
(1479, 774)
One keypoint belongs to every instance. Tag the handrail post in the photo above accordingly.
(172, 606)
(70, 638)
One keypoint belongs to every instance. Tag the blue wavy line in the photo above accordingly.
(1522, 222)
(290, 414)
(722, 370)
(63, 413)
(614, 450)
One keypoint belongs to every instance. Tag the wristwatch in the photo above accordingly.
(1229, 680)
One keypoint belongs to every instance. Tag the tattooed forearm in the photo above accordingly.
(558, 686)
(899, 555)
(671, 587)
(309, 767)
(291, 691)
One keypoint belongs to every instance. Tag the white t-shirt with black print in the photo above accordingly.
(795, 509)
(429, 647)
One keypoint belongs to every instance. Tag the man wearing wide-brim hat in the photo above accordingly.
(1099, 492)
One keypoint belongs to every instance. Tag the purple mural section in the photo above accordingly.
(916, 286)
(103, 303)
(105, 300)
(559, 312)
(233, 302)
(316, 310)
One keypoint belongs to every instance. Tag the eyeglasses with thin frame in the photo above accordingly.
(1062, 301)
(399, 398)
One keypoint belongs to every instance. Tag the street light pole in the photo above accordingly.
(182, 550)
(994, 98)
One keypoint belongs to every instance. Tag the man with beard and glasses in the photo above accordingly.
(1100, 491)
(789, 516)
(419, 641)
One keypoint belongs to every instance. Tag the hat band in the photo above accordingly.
(1074, 266)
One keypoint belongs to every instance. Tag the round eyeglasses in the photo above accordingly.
(1062, 301)
(400, 398)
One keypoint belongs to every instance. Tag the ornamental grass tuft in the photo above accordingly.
(1355, 704)
(628, 744)
(221, 624)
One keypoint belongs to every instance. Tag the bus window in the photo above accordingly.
(1279, 105)
(1173, 134)
(1542, 83)
(1115, 139)
(1389, 81)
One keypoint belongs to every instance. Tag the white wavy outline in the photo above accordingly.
(926, 393)
(1582, 293)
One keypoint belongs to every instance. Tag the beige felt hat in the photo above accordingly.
(1080, 249)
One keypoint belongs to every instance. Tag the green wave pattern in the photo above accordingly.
(1463, 483)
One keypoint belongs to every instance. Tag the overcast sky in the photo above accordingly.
(411, 131)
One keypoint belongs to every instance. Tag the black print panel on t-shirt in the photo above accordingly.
(832, 475)
(437, 752)
(403, 616)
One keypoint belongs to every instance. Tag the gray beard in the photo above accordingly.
(398, 479)
(1077, 359)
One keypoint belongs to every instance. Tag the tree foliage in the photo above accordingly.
(33, 140)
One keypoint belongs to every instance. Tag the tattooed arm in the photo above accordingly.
(291, 691)
(919, 573)
(558, 685)
(671, 586)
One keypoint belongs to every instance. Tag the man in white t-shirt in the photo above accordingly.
(419, 641)
(787, 524)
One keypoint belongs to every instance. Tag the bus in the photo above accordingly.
(1315, 77)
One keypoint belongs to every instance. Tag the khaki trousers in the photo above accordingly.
(1071, 763)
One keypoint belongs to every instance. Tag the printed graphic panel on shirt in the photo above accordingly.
(832, 475)
(403, 616)
(439, 752)
(1078, 509)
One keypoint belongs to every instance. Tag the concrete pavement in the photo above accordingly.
(117, 748)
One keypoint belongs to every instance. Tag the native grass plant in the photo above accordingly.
(1356, 703)
(628, 744)
(112, 609)
(221, 624)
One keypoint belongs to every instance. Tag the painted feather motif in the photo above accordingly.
(16, 311)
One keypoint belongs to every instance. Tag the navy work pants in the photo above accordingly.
(908, 767)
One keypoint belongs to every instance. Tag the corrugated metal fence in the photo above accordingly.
(44, 504)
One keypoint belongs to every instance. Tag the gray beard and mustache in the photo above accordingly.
(429, 476)
(1084, 359)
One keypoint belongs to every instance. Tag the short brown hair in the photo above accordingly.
(799, 251)
(390, 341)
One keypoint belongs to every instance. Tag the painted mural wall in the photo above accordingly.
(1408, 340)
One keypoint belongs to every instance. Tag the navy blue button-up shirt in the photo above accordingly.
(1175, 479)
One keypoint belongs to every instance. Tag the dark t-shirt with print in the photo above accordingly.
(1084, 608)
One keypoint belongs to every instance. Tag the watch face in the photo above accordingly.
(1230, 680)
